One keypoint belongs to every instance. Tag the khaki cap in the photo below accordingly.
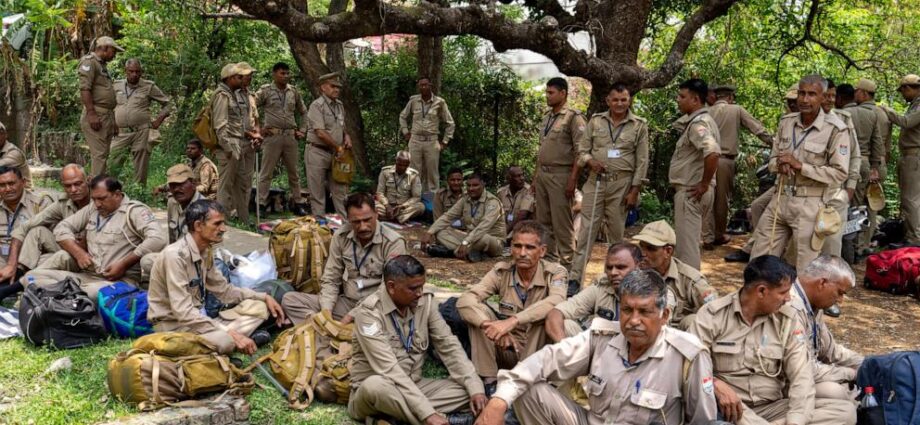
(108, 41)
(179, 173)
(910, 80)
(866, 84)
(827, 224)
(793, 92)
(244, 68)
(334, 76)
(253, 308)
(876, 196)
(724, 87)
(657, 233)
(228, 71)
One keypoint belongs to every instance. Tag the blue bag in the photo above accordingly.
(123, 308)
(895, 378)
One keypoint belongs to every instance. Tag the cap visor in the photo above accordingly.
(649, 240)
(817, 242)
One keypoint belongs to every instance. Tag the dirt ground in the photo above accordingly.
(871, 322)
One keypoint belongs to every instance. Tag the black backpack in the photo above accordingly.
(61, 315)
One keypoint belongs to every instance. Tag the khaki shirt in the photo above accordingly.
(427, 118)
(560, 134)
(326, 114)
(12, 156)
(729, 118)
(94, 76)
(599, 299)
(444, 199)
(175, 217)
(393, 189)
(832, 361)
(758, 360)
(853, 172)
(133, 103)
(30, 205)
(479, 218)
(522, 201)
(530, 305)
(621, 148)
(109, 239)
(868, 134)
(228, 116)
(652, 388)
(699, 138)
(49, 216)
(690, 288)
(884, 125)
(206, 173)
(909, 123)
(171, 297)
(355, 272)
(280, 107)
(380, 332)
(823, 148)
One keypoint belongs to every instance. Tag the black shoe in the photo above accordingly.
(461, 418)
(573, 288)
(490, 388)
(833, 311)
(738, 256)
(441, 251)
(261, 337)
(300, 210)
(474, 256)
(708, 246)
(722, 241)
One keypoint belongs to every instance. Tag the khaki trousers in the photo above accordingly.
(485, 354)
(61, 265)
(453, 238)
(688, 216)
(826, 412)
(139, 141)
(544, 404)
(572, 328)
(37, 246)
(380, 396)
(235, 181)
(319, 179)
(859, 198)
(554, 211)
(300, 306)
(795, 220)
(611, 209)
(909, 182)
(410, 210)
(717, 221)
(757, 208)
(281, 146)
(251, 315)
(426, 154)
(99, 141)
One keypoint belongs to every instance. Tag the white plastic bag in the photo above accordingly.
(253, 269)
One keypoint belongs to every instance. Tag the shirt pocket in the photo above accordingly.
(595, 388)
(815, 152)
(727, 358)
(648, 403)
(769, 360)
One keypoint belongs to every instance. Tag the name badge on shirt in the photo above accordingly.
(456, 224)
(614, 153)
(5, 250)
(360, 283)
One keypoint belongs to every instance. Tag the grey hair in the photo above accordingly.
(404, 155)
(76, 167)
(814, 79)
(829, 267)
(133, 61)
(645, 283)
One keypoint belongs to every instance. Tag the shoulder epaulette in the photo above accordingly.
(686, 344)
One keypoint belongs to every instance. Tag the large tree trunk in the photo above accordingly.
(431, 60)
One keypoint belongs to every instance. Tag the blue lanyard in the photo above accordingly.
(474, 208)
(613, 139)
(811, 313)
(549, 124)
(521, 294)
(406, 342)
(797, 143)
(11, 223)
(101, 226)
(354, 252)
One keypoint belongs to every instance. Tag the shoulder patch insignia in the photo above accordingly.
(84, 68)
(709, 297)
(799, 335)
(558, 282)
(708, 385)
(702, 131)
(147, 215)
(581, 128)
(370, 330)
(844, 150)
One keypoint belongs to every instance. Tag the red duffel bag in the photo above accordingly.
(894, 271)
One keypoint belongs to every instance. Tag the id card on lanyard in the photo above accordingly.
(10, 224)
(358, 264)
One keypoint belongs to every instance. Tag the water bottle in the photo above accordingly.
(868, 399)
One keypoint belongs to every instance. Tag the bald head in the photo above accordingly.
(73, 178)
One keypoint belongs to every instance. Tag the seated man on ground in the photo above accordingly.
(689, 288)
(527, 290)
(482, 228)
(184, 190)
(517, 198)
(19, 206)
(184, 276)
(600, 299)
(394, 329)
(649, 373)
(354, 267)
(12, 156)
(399, 191)
(203, 171)
(446, 197)
(118, 232)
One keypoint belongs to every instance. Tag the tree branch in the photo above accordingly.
(808, 36)
(230, 15)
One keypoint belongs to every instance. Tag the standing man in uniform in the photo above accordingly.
(98, 99)
(527, 290)
(481, 230)
(354, 268)
(517, 198)
(12, 156)
(386, 380)
(446, 197)
(649, 373)
(556, 174)
(871, 150)
(840, 199)
(280, 103)
(327, 137)
(19, 206)
(811, 156)
(729, 117)
(615, 150)
(399, 191)
(909, 163)
(865, 96)
(693, 165)
(132, 115)
(428, 112)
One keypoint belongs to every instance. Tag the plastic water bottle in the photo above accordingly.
(868, 399)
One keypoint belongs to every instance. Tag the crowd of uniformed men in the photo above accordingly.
(649, 341)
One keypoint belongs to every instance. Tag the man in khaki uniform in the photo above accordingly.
(327, 137)
(481, 230)
(909, 163)
(688, 286)
(516, 197)
(12, 156)
(869, 168)
(185, 272)
(132, 116)
(600, 299)
(182, 187)
(865, 96)
(527, 290)
(446, 197)
(615, 150)
(649, 373)
(399, 191)
(386, 378)
(822, 284)
(281, 103)
(694, 163)
(19, 206)
(203, 171)
(730, 118)
(427, 112)
(98, 98)
(354, 267)
(556, 174)
(840, 199)
(119, 232)
(811, 156)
